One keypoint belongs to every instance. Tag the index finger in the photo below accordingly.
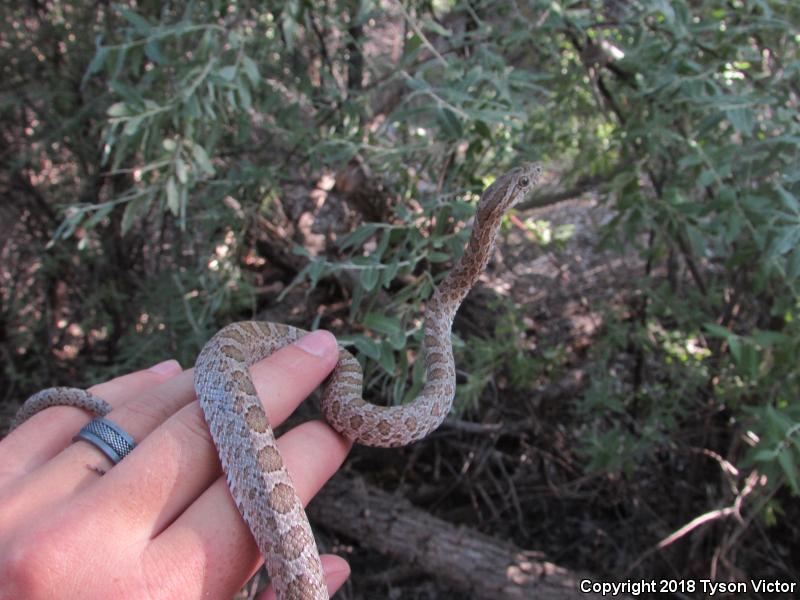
(47, 433)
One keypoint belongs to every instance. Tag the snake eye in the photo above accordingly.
(524, 181)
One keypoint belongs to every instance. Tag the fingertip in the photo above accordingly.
(321, 343)
(166, 368)
(286, 377)
(119, 390)
(336, 568)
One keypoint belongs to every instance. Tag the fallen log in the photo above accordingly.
(478, 564)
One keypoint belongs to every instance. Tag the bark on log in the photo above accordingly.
(482, 566)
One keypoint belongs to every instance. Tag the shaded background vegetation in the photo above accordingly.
(171, 167)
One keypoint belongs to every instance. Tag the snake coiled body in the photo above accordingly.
(239, 426)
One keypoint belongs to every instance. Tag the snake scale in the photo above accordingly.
(256, 476)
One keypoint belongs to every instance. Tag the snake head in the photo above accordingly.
(507, 190)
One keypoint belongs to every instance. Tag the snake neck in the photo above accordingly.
(462, 277)
(440, 375)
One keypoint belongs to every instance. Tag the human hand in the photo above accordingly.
(161, 523)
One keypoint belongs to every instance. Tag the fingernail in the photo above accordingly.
(167, 367)
(319, 342)
(335, 567)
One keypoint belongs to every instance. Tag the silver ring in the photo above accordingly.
(108, 437)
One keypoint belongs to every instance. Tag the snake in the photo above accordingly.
(254, 469)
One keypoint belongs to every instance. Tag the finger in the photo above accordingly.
(78, 465)
(176, 465)
(183, 450)
(212, 530)
(47, 433)
(336, 573)
(26, 497)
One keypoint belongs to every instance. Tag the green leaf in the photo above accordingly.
(417, 84)
(173, 201)
(789, 200)
(129, 93)
(735, 347)
(449, 123)
(153, 52)
(389, 273)
(750, 360)
(433, 26)
(180, 170)
(781, 420)
(202, 160)
(386, 359)
(412, 44)
(438, 257)
(356, 238)
(314, 271)
(789, 469)
(98, 216)
(696, 239)
(367, 347)
(290, 29)
(227, 73)
(134, 209)
(734, 227)
(718, 331)
(793, 265)
(132, 125)
(770, 338)
(690, 160)
(118, 109)
(139, 22)
(707, 176)
(369, 278)
(98, 60)
(787, 239)
(757, 204)
(742, 119)
(251, 70)
(763, 455)
(129, 216)
(244, 95)
(386, 325)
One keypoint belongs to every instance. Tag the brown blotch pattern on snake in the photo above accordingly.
(294, 542)
(256, 419)
(234, 353)
(244, 382)
(269, 459)
(295, 589)
(282, 498)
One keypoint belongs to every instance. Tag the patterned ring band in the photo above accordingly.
(108, 436)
